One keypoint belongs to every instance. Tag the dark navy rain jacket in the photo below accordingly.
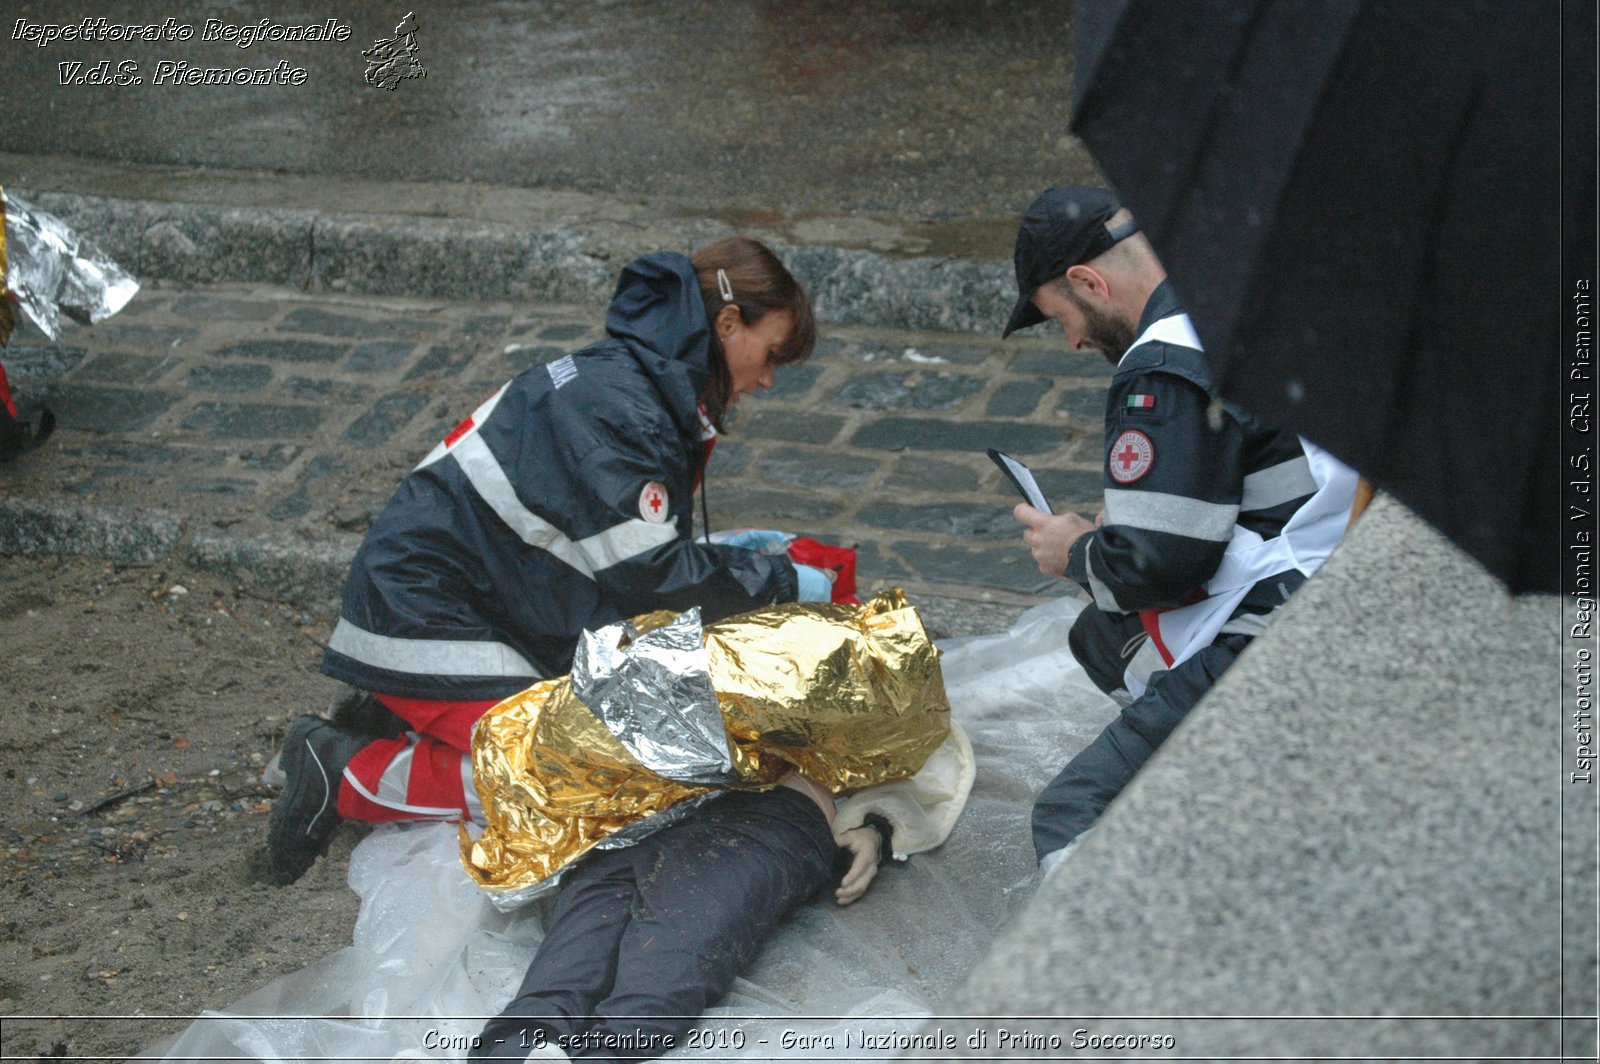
(563, 503)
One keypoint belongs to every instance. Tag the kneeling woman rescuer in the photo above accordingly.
(563, 503)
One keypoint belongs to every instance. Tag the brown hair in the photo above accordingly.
(761, 284)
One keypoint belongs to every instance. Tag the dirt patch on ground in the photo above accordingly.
(139, 706)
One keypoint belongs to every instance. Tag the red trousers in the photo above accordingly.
(423, 775)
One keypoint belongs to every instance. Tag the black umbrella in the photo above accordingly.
(1359, 203)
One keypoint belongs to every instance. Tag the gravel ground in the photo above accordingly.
(141, 704)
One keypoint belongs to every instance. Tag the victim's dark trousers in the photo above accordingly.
(644, 938)
(1074, 800)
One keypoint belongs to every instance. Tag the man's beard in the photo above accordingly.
(1110, 334)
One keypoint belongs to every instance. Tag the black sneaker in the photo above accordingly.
(361, 712)
(306, 814)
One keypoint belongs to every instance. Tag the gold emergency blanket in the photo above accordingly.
(850, 695)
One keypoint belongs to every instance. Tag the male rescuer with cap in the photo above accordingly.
(1211, 519)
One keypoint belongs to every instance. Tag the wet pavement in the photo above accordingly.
(947, 116)
(250, 428)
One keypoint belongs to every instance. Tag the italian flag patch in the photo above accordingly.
(1141, 402)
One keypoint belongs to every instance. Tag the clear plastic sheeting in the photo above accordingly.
(432, 959)
(50, 268)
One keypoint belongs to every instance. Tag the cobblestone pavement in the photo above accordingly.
(258, 430)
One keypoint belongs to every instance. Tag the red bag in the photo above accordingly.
(842, 560)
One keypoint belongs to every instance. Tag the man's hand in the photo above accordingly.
(863, 843)
(1050, 536)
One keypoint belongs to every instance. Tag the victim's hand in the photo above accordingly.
(863, 845)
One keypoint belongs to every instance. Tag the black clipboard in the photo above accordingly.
(1022, 479)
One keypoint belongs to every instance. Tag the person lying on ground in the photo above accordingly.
(682, 833)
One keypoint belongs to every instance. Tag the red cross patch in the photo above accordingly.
(653, 505)
(1132, 456)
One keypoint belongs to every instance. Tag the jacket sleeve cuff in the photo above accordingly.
(921, 810)
(1078, 560)
(885, 830)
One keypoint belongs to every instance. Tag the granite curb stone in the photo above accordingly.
(445, 258)
(285, 565)
(53, 526)
(198, 243)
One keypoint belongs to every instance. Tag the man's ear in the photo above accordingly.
(1092, 280)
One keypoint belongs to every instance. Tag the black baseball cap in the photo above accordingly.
(1064, 227)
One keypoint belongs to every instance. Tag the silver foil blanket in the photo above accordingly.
(53, 271)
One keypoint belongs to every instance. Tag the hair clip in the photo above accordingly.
(725, 286)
